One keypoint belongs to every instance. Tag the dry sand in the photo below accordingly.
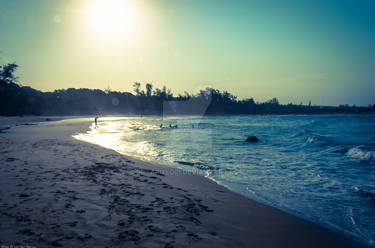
(59, 192)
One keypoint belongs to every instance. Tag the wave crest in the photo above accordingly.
(358, 153)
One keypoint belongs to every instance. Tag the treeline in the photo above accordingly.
(19, 100)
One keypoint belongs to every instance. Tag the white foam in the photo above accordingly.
(310, 140)
(358, 153)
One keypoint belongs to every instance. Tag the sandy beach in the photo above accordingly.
(56, 191)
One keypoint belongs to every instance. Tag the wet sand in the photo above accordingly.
(59, 192)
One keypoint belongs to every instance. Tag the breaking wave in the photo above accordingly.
(360, 154)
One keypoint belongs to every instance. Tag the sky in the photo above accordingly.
(298, 51)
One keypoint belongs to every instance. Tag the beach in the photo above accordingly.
(57, 191)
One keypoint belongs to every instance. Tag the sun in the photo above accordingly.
(112, 18)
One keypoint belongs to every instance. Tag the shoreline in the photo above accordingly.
(87, 184)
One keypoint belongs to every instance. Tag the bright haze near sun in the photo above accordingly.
(111, 19)
(320, 50)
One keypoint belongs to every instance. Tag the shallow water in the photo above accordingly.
(321, 168)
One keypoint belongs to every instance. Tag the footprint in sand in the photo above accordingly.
(129, 235)
(193, 236)
(169, 245)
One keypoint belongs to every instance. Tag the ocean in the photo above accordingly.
(318, 167)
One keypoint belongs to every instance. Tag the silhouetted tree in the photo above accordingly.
(7, 73)
(18, 100)
(148, 89)
(136, 88)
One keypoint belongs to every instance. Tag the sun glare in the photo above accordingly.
(112, 18)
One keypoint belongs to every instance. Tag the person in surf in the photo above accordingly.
(96, 121)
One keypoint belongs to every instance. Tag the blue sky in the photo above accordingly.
(321, 51)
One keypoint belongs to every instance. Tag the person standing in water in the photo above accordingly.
(96, 121)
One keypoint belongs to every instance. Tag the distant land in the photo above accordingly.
(17, 100)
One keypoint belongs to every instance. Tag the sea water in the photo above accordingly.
(319, 167)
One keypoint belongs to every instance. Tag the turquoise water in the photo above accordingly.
(321, 168)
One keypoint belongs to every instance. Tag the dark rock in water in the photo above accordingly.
(252, 139)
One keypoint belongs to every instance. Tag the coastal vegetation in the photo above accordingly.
(18, 100)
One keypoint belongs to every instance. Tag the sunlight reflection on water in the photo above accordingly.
(111, 134)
